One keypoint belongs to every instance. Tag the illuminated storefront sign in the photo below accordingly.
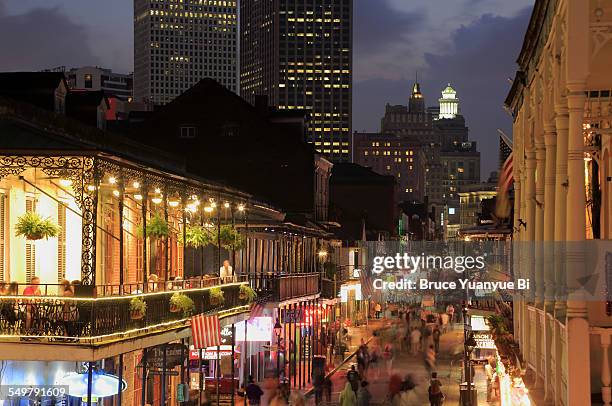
(258, 329)
(102, 385)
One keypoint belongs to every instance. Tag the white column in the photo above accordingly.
(549, 277)
(528, 246)
(561, 121)
(578, 354)
(606, 393)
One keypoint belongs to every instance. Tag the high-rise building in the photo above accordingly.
(426, 149)
(299, 54)
(177, 43)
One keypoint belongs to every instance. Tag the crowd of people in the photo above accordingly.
(410, 329)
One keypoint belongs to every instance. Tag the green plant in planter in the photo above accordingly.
(216, 296)
(138, 308)
(247, 293)
(199, 236)
(181, 303)
(157, 227)
(33, 227)
(229, 238)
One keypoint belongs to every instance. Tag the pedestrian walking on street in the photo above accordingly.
(253, 392)
(347, 396)
(373, 365)
(388, 356)
(407, 396)
(363, 395)
(450, 310)
(353, 377)
(436, 396)
(327, 389)
(444, 321)
(430, 359)
(378, 310)
(436, 339)
(415, 341)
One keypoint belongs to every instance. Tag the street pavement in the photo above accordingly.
(448, 367)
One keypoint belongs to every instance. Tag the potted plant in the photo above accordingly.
(247, 293)
(216, 296)
(230, 238)
(33, 227)
(199, 236)
(157, 227)
(138, 308)
(181, 303)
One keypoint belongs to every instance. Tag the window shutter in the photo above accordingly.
(30, 248)
(2, 237)
(61, 243)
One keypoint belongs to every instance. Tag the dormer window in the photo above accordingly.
(187, 132)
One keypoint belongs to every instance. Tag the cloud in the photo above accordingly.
(477, 60)
(42, 38)
(428, 27)
(380, 31)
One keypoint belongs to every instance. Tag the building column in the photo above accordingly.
(578, 354)
(538, 244)
(518, 299)
(549, 277)
(562, 123)
(528, 245)
(606, 391)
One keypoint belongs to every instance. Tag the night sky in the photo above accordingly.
(473, 44)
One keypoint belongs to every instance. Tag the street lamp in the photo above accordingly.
(278, 329)
(469, 344)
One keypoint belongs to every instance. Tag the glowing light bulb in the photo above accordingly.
(208, 209)
(91, 188)
(112, 180)
(173, 203)
(138, 197)
(116, 193)
(156, 200)
(241, 207)
(136, 185)
(226, 205)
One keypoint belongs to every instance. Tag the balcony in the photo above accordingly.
(101, 320)
(286, 287)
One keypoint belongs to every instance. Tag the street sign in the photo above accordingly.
(169, 372)
(175, 355)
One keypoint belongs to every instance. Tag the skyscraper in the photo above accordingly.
(299, 54)
(179, 42)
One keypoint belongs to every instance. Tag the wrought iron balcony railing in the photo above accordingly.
(286, 287)
(89, 320)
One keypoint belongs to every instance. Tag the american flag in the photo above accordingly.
(506, 177)
(257, 308)
(366, 283)
(205, 331)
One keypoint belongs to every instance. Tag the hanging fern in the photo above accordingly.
(199, 236)
(230, 238)
(157, 227)
(34, 227)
